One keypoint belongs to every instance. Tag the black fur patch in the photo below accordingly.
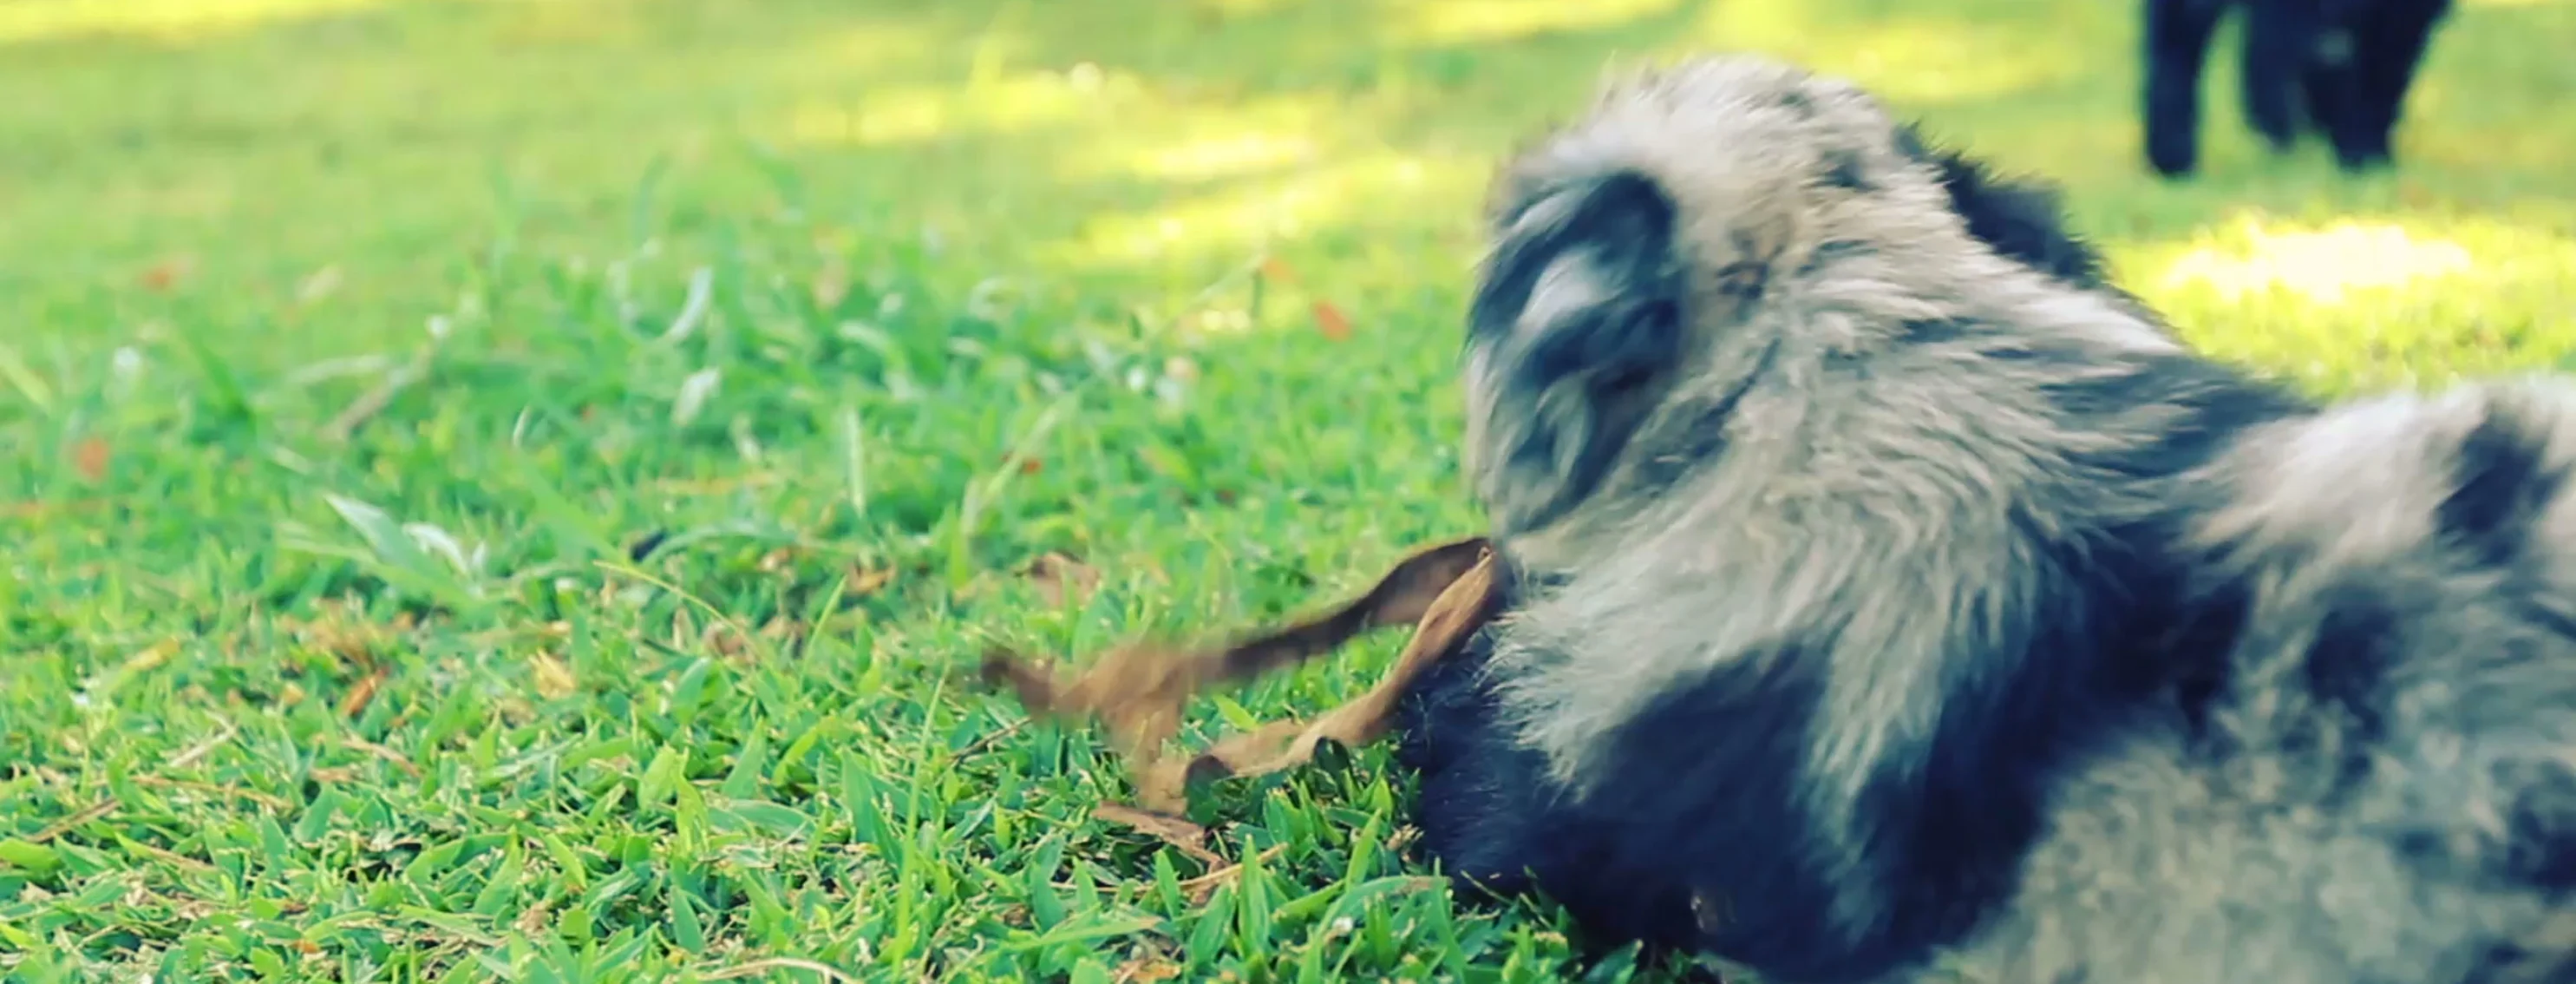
(2018, 218)
(2501, 482)
(1670, 811)
(2181, 630)
(1477, 807)
(2510, 964)
(1621, 225)
(1830, 251)
(2345, 666)
(1698, 797)
(1843, 170)
(2541, 826)
(1935, 331)
(1623, 217)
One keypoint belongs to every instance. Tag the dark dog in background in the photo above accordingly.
(2345, 65)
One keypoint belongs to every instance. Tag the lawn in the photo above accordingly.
(507, 490)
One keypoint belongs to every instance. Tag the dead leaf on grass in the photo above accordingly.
(1278, 269)
(152, 657)
(1058, 577)
(1329, 320)
(1139, 690)
(1189, 838)
(865, 581)
(1146, 970)
(535, 918)
(554, 679)
(335, 631)
(91, 456)
(161, 277)
(363, 693)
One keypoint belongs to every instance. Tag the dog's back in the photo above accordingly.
(2383, 786)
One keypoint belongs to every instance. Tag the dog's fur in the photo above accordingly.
(2340, 66)
(1892, 597)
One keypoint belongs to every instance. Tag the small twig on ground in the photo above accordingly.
(399, 760)
(255, 796)
(201, 749)
(172, 857)
(73, 822)
(1201, 887)
(991, 738)
(1189, 837)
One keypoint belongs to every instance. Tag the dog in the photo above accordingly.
(2347, 64)
(1890, 598)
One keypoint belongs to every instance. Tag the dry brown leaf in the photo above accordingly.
(534, 919)
(1138, 690)
(726, 642)
(781, 628)
(152, 657)
(1329, 320)
(91, 456)
(380, 751)
(1058, 577)
(865, 581)
(554, 679)
(778, 559)
(163, 276)
(1277, 269)
(76, 820)
(363, 693)
(336, 632)
(1146, 970)
(1189, 837)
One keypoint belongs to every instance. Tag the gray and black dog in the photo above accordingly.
(1891, 599)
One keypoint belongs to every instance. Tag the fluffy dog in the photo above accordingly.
(2346, 63)
(1892, 600)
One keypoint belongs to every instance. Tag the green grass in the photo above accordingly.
(860, 309)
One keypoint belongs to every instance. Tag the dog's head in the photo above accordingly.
(1697, 228)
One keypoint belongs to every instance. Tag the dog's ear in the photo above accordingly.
(1577, 314)
(1583, 283)
(2019, 217)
